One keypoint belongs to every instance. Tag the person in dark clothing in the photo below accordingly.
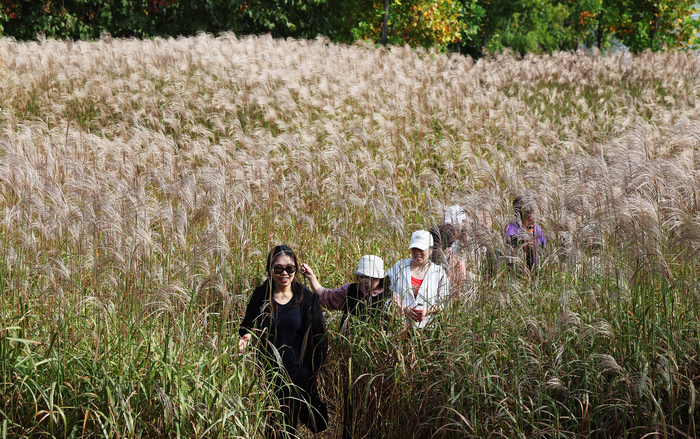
(286, 320)
(365, 299)
(523, 233)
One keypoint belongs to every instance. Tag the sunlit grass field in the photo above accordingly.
(142, 184)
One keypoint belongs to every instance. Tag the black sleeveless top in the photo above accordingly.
(367, 308)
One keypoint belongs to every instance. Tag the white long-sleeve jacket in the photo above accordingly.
(434, 289)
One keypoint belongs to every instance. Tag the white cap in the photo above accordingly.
(455, 215)
(371, 266)
(421, 239)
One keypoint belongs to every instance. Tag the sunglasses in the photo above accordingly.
(278, 269)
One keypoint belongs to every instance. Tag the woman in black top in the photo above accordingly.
(286, 319)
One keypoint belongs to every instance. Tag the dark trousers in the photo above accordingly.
(294, 400)
(347, 413)
(361, 417)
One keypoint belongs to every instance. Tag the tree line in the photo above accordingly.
(466, 26)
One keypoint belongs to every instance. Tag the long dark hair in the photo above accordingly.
(523, 207)
(444, 235)
(297, 287)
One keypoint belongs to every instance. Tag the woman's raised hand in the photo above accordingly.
(306, 271)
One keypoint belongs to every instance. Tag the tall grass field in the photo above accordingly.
(142, 184)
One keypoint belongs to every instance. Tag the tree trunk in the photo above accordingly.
(655, 27)
(600, 31)
(385, 24)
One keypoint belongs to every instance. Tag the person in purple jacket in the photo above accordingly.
(523, 233)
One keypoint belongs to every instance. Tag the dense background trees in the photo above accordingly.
(468, 26)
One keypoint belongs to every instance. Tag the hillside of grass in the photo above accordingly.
(142, 184)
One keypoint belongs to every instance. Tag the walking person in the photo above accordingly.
(365, 299)
(448, 252)
(419, 286)
(286, 320)
(465, 250)
(524, 234)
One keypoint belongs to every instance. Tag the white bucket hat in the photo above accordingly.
(455, 215)
(371, 266)
(421, 239)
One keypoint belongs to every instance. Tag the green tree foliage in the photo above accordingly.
(527, 26)
(547, 25)
(466, 25)
(638, 24)
(284, 18)
(414, 22)
(651, 24)
(84, 19)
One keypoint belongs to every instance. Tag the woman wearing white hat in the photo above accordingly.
(363, 298)
(418, 285)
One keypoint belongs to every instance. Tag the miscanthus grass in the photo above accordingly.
(142, 184)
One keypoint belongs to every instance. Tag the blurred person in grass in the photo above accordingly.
(446, 237)
(464, 247)
(365, 299)
(286, 320)
(523, 234)
(419, 285)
